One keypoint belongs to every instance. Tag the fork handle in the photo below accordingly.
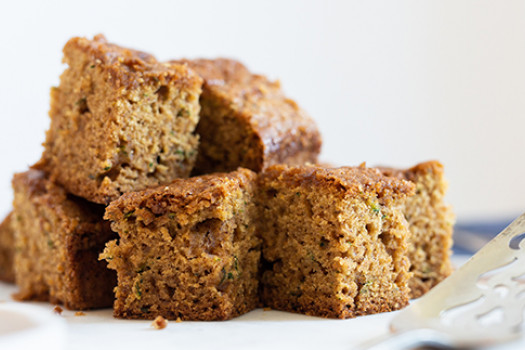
(408, 340)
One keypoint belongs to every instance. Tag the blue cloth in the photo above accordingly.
(470, 236)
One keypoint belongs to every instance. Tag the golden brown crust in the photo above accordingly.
(411, 174)
(7, 249)
(58, 238)
(350, 180)
(128, 69)
(431, 223)
(194, 194)
(120, 121)
(187, 250)
(265, 127)
(334, 240)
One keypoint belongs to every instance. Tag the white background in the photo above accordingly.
(389, 82)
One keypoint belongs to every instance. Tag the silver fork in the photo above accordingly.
(480, 304)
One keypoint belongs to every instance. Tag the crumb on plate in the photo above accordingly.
(159, 323)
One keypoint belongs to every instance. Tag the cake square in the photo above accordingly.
(247, 121)
(334, 240)
(120, 121)
(431, 222)
(187, 250)
(58, 238)
(7, 249)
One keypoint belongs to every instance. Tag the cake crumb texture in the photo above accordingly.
(187, 250)
(334, 241)
(247, 121)
(120, 121)
(7, 249)
(430, 222)
(110, 215)
(57, 241)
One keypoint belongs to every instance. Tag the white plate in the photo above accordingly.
(258, 329)
(25, 326)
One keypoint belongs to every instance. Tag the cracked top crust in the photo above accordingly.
(129, 68)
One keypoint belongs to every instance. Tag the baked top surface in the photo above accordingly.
(432, 166)
(255, 98)
(109, 53)
(351, 180)
(129, 67)
(167, 198)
